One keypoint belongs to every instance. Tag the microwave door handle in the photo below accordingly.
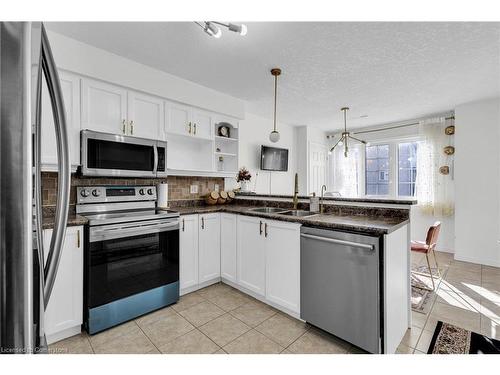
(64, 170)
(155, 162)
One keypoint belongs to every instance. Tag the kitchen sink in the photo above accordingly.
(298, 213)
(268, 210)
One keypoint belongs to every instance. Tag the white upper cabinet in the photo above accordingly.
(202, 124)
(251, 254)
(209, 247)
(188, 249)
(65, 308)
(178, 119)
(70, 85)
(283, 264)
(228, 244)
(104, 107)
(145, 115)
(188, 121)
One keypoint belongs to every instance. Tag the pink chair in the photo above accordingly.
(429, 246)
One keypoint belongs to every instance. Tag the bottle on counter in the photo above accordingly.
(314, 203)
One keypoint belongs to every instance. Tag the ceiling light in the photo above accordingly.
(345, 135)
(211, 28)
(275, 136)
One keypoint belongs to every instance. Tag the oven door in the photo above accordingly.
(130, 258)
(104, 154)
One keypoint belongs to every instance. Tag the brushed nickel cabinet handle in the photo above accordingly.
(265, 230)
(183, 224)
(202, 223)
(132, 127)
(78, 238)
(260, 228)
(124, 127)
(189, 127)
(194, 131)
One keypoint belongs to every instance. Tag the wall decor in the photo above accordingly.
(445, 170)
(449, 150)
(223, 130)
(449, 130)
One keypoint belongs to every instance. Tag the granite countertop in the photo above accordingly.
(364, 199)
(372, 225)
(73, 220)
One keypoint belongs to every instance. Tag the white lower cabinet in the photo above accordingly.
(64, 313)
(209, 247)
(188, 249)
(228, 245)
(251, 254)
(283, 264)
(199, 251)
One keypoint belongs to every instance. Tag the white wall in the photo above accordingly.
(304, 136)
(87, 60)
(477, 181)
(254, 132)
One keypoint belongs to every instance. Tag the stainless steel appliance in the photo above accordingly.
(104, 154)
(339, 285)
(131, 254)
(26, 279)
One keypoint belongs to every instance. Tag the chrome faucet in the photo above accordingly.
(321, 209)
(296, 192)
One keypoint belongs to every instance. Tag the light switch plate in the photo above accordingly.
(194, 189)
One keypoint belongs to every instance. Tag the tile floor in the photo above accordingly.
(468, 297)
(219, 319)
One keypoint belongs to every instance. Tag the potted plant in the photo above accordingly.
(244, 178)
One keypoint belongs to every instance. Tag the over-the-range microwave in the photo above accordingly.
(104, 154)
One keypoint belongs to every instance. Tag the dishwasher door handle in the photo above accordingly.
(339, 242)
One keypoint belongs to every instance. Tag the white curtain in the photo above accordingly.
(434, 190)
(345, 171)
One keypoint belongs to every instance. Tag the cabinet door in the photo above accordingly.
(104, 107)
(202, 124)
(251, 255)
(188, 247)
(70, 85)
(178, 119)
(283, 264)
(209, 247)
(145, 115)
(228, 243)
(65, 306)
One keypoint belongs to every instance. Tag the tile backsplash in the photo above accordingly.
(178, 187)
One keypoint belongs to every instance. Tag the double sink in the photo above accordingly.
(281, 211)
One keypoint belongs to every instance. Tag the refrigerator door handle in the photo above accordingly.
(64, 169)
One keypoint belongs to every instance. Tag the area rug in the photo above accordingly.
(450, 339)
(421, 298)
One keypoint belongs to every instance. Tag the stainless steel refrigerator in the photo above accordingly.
(27, 274)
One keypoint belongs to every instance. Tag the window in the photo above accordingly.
(377, 170)
(407, 172)
(391, 168)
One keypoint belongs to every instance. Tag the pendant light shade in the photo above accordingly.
(275, 135)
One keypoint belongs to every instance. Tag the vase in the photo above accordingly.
(245, 186)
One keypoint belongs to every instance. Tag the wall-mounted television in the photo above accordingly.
(273, 159)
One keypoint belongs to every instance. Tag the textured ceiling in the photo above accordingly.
(387, 71)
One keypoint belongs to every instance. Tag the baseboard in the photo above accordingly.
(55, 337)
(486, 262)
(196, 287)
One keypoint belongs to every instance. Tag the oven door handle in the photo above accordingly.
(104, 234)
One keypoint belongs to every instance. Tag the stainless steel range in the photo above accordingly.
(131, 254)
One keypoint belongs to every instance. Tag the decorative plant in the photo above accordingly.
(243, 175)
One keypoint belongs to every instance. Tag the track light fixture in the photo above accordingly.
(211, 28)
(345, 135)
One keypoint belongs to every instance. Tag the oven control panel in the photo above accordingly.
(105, 194)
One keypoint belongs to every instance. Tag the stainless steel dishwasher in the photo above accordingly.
(339, 285)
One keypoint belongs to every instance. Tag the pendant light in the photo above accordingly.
(275, 136)
(345, 135)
